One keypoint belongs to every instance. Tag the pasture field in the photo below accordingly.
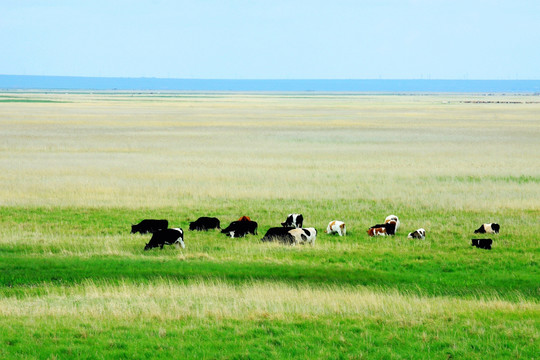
(77, 169)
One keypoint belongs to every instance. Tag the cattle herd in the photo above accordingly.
(291, 231)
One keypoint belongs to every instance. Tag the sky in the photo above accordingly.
(272, 39)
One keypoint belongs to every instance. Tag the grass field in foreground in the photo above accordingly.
(76, 170)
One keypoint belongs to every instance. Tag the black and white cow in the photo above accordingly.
(149, 226)
(238, 229)
(488, 229)
(293, 220)
(280, 234)
(417, 234)
(204, 223)
(304, 235)
(482, 243)
(393, 218)
(174, 236)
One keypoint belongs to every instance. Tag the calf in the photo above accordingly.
(244, 218)
(488, 229)
(417, 234)
(388, 228)
(280, 234)
(304, 235)
(149, 226)
(240, 228)
(482, 243)
(204, 224)
(393, 218)
(167, 237)
(293, 220)
(336, 227)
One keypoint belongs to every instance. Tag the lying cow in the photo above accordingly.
(393, 218)
(174, 236)
(238, 229)
(293, 220)
(336, 227)
(488, 229)
(304, 235)
(149, 226)
(244, 218)
(280, 234)
(482, 243)
(204, 224)
(388, 228)
(417, 234)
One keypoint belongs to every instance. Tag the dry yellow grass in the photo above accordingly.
(169, 301)
(178, 149)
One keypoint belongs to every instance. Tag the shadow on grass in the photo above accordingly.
(22, 275)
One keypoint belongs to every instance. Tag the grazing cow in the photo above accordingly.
(388, 228)
(280, 234)
(488, 229)
(417, 234)
(238, 229)
(336, 227)
(244, 218)
(304, 235)
(393, 218)
(482, 243)
(149, 226)
(204, 223)
(167, 237)
(293, 220)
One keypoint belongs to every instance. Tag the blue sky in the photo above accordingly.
(272, 39)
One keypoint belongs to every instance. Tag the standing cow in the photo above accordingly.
(482, 243)
(280, 234)
(293, 220)
(174, 236)
(393, 218)
(238, 229)
(204, 224)
(336, 227)
(149, 226)
(488, 229)
(388, 228)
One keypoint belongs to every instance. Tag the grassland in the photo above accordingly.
(77, 169)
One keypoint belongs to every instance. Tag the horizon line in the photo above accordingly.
(270, 79)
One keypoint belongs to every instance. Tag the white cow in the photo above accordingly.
(336, 226)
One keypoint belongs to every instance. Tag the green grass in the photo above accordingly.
(74, 176)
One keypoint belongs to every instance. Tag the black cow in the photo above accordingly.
(204, 223)
(293, 220)
(167, 237)
(280, 234)
(482, 243)
(488, 229)
(241, 228)
(149, 226)
(388, 228)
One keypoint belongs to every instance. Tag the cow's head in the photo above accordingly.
(133, 229)
(180, 243)
(148, 247)
(192, 226)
